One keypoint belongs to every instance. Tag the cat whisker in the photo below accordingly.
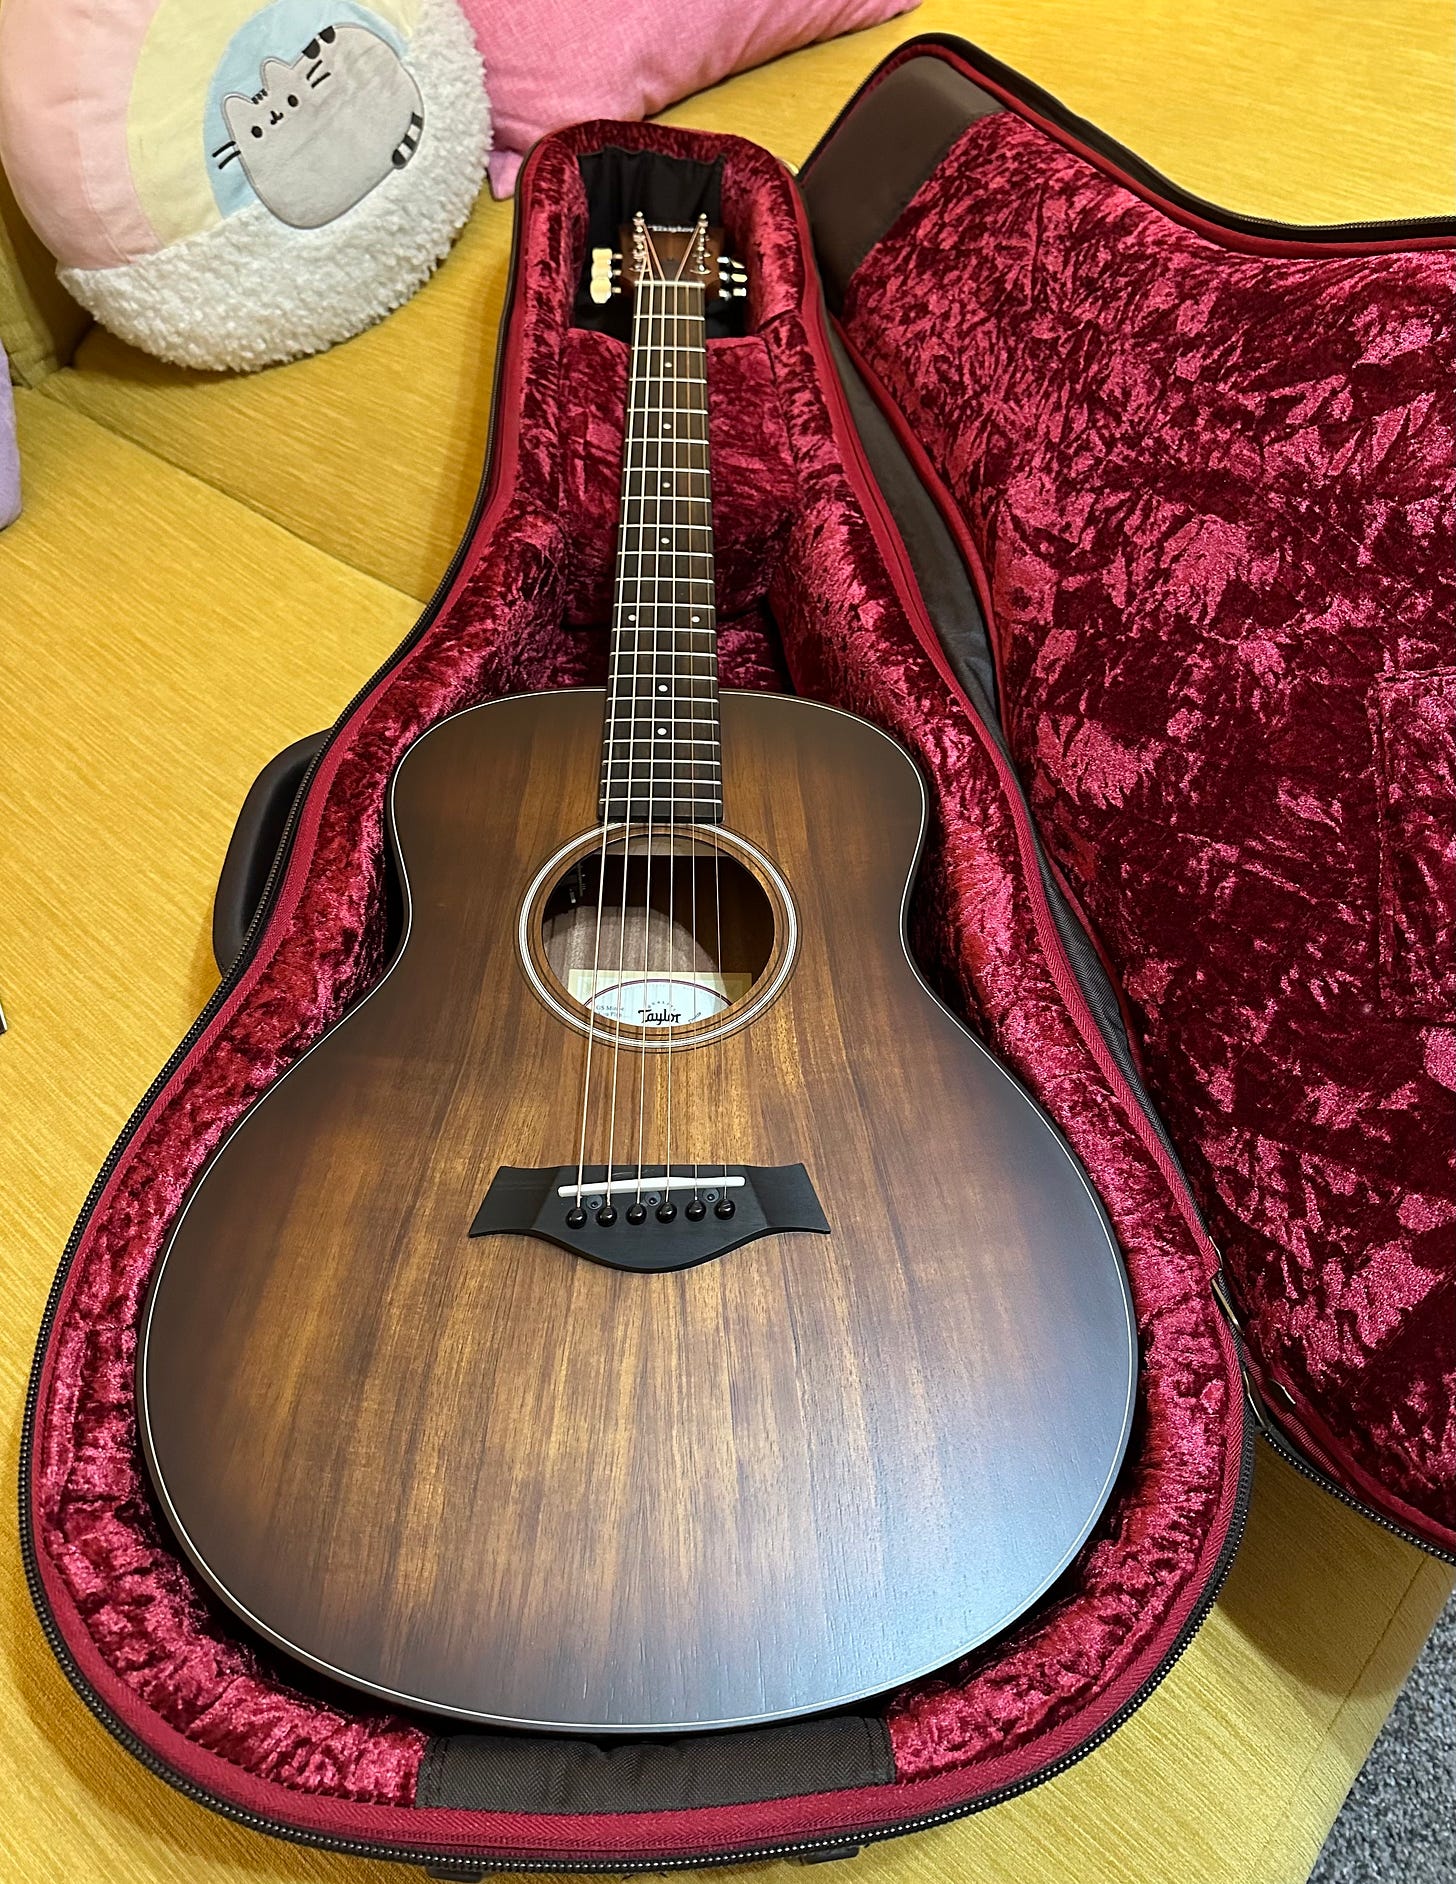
(233, 156)
(313, 68)
(316, 82)
(231, 144)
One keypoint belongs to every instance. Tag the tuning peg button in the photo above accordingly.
(603, 264)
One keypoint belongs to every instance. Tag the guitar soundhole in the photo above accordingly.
(668, 935)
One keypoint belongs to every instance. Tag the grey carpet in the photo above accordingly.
(1398, 1825)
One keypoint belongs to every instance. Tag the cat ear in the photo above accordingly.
(235, 111)
(276, 72)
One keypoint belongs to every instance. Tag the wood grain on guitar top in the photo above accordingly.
(507, 1483)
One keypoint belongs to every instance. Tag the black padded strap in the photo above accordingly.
(254, 844)
(543, 1773)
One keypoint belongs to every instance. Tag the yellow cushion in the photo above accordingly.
(373, 450)
(161, 644)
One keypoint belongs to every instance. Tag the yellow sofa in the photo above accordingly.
(207, 567)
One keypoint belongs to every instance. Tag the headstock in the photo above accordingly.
(656, 251)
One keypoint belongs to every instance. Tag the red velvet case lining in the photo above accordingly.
(222, 1710)
(1210, 492)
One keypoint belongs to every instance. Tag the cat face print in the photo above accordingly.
(327, 129)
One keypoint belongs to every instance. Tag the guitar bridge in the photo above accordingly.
(649, 1218)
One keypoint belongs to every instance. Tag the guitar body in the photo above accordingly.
(490, 1476)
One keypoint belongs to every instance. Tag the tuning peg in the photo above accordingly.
(604, 264)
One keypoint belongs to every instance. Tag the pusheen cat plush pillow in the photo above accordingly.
(229, 184)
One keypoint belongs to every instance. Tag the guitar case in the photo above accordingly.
(1127, 517)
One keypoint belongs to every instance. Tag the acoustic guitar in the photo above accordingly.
(648, 1309)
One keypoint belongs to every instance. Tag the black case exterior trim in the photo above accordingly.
(937, 49)
(858, 180)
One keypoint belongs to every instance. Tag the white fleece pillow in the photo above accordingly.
(227, 184)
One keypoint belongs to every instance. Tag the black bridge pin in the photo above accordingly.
(636, 1213)
(606, 1216)
(696, 1211)
(575, 1218)
(666, 1211)
(723, 1208)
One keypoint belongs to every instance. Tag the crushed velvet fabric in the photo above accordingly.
(843, 626)
(1211, 491)
(753, 472)
(1413, 723)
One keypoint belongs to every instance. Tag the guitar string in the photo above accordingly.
(682, 332)
(665, 535)
(611, 767)
(658, 540)
(710, 583)
(696, 343)
(690, 332)
(608, 782)
(693, 861)
(670, 1004)
(651, 272)
(645, 257)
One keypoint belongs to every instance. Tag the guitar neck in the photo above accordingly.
(661, 755)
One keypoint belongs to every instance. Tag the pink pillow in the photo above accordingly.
(550, 63)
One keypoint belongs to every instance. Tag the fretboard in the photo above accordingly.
(661, 756)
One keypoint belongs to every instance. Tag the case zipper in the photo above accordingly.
(440, 1863)
(1266, 1421)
